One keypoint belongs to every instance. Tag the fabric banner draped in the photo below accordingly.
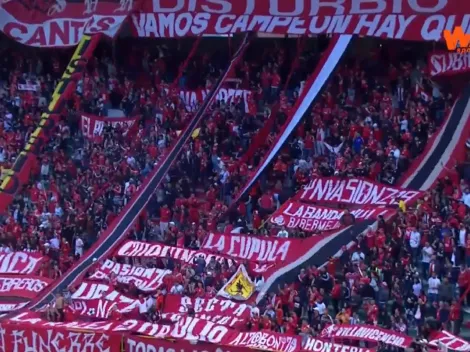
(62, 23)
(368, 333)
(19, 174)
(293, 214)
(198, 333)
(145, 279)
(193, 98)
(448, 63)
(93, 126)
(219, 311)
(355, 191)
(22, 286)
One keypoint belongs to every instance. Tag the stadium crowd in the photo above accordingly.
(373, 118)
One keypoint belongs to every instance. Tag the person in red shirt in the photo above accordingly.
(266, 204)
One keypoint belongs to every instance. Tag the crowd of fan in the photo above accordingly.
(366, 123)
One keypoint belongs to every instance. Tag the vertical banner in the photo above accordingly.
(18, 175)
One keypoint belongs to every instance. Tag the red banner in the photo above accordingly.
(20, 172)
(15, 337)
(9, 307)
(354, 191)
(185, 255)
(313, 218)
(450, 341)
(193, 98)
(93, 291)
(368, 333)
(252, 248)
(62, 22)
(98, 308)
(219, 311)
(93, 126)
(20, 263)
(267, 340)
(448, 63)
(144, 344)
(319, 345)
(145, 279)
(157, 250)
(22, 286)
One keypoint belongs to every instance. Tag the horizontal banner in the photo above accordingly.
(319, 345)
(9, 307)
(448, 63)
(145, 279)
(219, 311)
(99, 308)
(16, 337)
(449, 341)
(22, 286)
(94, 291)
(20, 263)
(354, 191)
(93, 126)
(367, 333)
(31, 86)
(251, 248)
(200, 334)
(145, 344)
(157, 250)
(293, 215)
(62, 23)
(185, 255)
(193, 98)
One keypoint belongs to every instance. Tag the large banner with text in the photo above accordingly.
(355, 191)
(61, 23)
(312, 218)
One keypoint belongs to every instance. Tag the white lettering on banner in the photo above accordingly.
(209, 305)
(379, 335)
(216, 319)
(144, 249)
(266, 341)
(391, 26)
(145, 279)
(8, 307)
(187, 328)
(312, 212)
(312, 218)
(316, 345)
(313, 225)
(193, 98)
(449, 63)
(248, 247)
(449, 340)
(49, 340)
(92, 291)
(8, 284)
(61, 31)
(18, 263)
(355, 191)
(298, 7)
